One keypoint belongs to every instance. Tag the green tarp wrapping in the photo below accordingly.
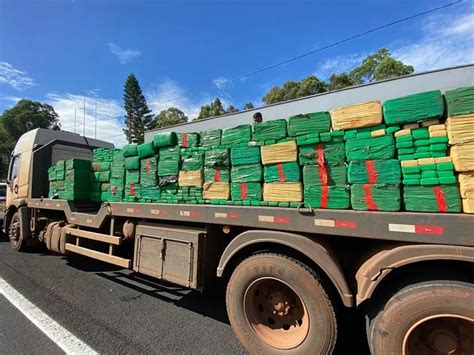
(211, 138)
(60, 165)
(187, 140)
(102, 176)
(460, 101)
(132, 176)
(192, 159)
(325, 175)
(165, 139)
(117, 172)
(316, 122)
(414, 108)
(148, 172)
(103, 154)
(100, 166)
(375, 197)
(130, 150)
(382, 147)
(60, 174)
(105, 186)
(145, 150)
(323, 196)
(246, 191)
(168, 163)
(133, 191)
(132, 163)
(52, 173)
(149, 165)
(245, 155)
(269, 130)
(282, 172)
(216, 174)
(73, 175)
(217, 157)
(438, 198)
(247, 173)
(150, 193)
(331, 153)
(236, 135)
(78, 164)
(105, 196)
(374, 172)
(118, 158)
(118, 184)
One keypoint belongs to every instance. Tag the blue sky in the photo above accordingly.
(184, 52)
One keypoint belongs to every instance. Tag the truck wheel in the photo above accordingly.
(277, 304)
(433, 317)
(14, 233)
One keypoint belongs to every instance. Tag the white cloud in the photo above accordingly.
(12, 99)
(17, 79)
(124, 54)
(221, 82)
(170, 94)
(109, 116)
(338, 64)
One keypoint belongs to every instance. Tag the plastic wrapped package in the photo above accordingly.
(187, 140)
(216, 191)
(217, 157)
(190, 178)
(133, 191)
(132, 163)
(463, 157)
(324, 196)
(437, 198)
(375, 197)
(130, 150)
(102, 176)
(282, 172)
(192, 159)
(460, 101)
(283, 192)
(270, 130)
(216, 174)
(165, 139)
(211, 138)
(330, 153)
(466, 184)
(246, 191)
(145, 150)
(370, 148)
(100, 166)
(357, 116)
(247, 173)
(245, 155)
(279, 153)
(150, 194)
(316, 122)
(132, 177)
(460, 129)
(236, 135)
(78, 164)
(374, 172)
(326, 174)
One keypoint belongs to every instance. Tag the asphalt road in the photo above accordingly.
(116, 311)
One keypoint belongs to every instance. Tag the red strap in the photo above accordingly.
(371, 172)
(323, 174)
(281, 173)
(324, 196)
(132, 189)
(148, 163)
(440, 198)
(369, 199)
(243, 190)
(185, 140)
(217, 175)
(114, 189)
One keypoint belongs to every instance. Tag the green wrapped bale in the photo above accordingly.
(133, 191)
(166, 168)
(216, 174)
(169, 154)
(101, 176)
(74, 175)
(245, 155)
(52, 173)
(132, 177)
(78, 164)
(374, 172)
(118, 184)
(247, 173)
(316, 122)
(117, 172)
(132, 163)
(118, 159)
(375, 197)
(330, 153)
(149, 165)
(246, 191)
(282, 172)
(275, 129)
(60, 174)
(414, 108)
(236, 135)
(382, 147)
(188, 140)
(460, 101)
(103, 154)
(438, 198)
(75, 193)
(331, 175)
(192, 159)
(60, 165)
(130, 150)
(211, 138)
(165, 139)
(324, 196)
(148, 179)
(152, 194)
(145, 150)
(217, 157)
(100, 166)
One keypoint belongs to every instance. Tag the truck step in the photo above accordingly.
(94, 236)
(111, 259)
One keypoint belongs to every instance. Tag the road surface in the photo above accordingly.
(116, 311)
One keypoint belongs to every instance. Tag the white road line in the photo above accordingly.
(67, 341)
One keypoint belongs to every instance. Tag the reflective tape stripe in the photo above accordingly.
(331, 223)
(416, 229)
(274, 219)
(226, 215)
(189, 213)
(159, 212)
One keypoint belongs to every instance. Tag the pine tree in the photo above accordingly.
(137, 113)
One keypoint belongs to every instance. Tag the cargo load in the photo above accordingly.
(357, 116)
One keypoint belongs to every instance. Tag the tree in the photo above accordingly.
(295, 89)
(137, 113)
(168, 117)
(23, 117)
(379, 66)
(231, 109)
(248, 106)
(339, 81)
(211, 110)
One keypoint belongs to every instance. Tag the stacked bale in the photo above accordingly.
(284, 186)
(188, 140)
(460, 129)
(211, 138)
(117, 177)
(236, 136)
(53, 182)
(246, 176)
(76, 180)
(132, 173)
(216, 175)
(168, 171)
(191, 175)
(306, 128)
(270, 132)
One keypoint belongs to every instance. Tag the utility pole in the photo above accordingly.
(84, 126)
(95, 113)
(75, 119)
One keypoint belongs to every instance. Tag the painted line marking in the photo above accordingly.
(64, 339)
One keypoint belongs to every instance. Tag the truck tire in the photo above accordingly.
(17, 242)
(278, 305)
(432, 317)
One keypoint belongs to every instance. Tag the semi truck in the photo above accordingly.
(291, 274)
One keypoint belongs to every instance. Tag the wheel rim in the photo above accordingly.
(440, 334)
(14, 233)
(276, 313)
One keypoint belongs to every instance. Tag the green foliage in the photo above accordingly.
(339, 81)
(248, 106)
(137, 113)
(211, 110)
(231, 109)
(294, 89)
(23, 117)
(168, 117)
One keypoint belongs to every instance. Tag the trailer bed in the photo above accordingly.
(435, 228)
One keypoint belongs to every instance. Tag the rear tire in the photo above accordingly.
(425, 318)
(278, 305)
(15, 234)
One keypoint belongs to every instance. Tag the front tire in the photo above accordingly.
(433, 317)
(17, 242)
(277, 305)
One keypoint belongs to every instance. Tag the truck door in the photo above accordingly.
(13, 178)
